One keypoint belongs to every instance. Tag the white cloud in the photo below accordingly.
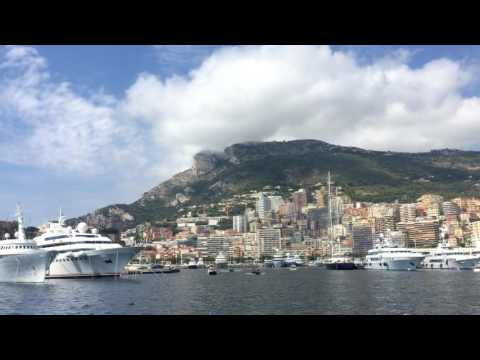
(46, 124)
(235, 94)
(292, 92)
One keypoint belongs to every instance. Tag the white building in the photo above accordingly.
(240, 223)
(268, 240)
(476, 233)
(275, 202)
(263, 205)
(408, 213)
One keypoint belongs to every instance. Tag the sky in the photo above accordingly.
(82, 127)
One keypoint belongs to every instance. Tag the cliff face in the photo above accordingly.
(367, 175)
(114, 217)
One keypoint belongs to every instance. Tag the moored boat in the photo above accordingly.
(21, 260)
(211, 270)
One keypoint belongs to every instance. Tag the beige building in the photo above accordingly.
(475, 233)
(420, 234)
(268, 240)
(408, 213)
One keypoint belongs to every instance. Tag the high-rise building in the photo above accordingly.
(275, 202)
(263, 205)
(218, 243)
(268, 240)
(240, 223)
(252, 249)
(450, 208)
(299, 198)
(475, 233)
(420, 234)
(408, 213)
(362, 236)
(320, 196)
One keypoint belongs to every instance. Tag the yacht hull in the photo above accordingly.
(452, 264)
(467, 264)
(91, 263)
(394, 265)
(341, 266)
(24, 268)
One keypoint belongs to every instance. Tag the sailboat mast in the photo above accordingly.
(330, 233)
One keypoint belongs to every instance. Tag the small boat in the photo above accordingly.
(256, 272)
(293, 267)
(211, 270)
(192, 264)
(170, 269)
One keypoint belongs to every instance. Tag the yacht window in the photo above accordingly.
(56, 237)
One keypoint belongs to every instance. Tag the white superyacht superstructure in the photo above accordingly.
(83, 253)
(388, 256)
(21, 260)
(445, 257)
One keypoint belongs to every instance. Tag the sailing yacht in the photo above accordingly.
(339, 260)
(83, 253)
(21, 260)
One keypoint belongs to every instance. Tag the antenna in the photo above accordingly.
(61, 218)
(19, 214)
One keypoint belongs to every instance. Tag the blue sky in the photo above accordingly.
(83, 127)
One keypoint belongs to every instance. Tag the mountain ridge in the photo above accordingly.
(368, 175)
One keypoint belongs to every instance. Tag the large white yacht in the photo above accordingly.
(21, 260)
(83, 253)
(388, 256)
(445, 257)
(390, 253)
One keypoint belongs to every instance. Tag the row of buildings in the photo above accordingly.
(301, 224)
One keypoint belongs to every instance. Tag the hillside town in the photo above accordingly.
(257, 225)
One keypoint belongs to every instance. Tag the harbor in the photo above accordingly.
(307, 290)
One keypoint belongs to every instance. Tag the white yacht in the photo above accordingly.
(296, 260)
(388, 256)
(21, 260)
(83, 253)
(393, 258)
(278, 260)
(450, 258)
(221, 261)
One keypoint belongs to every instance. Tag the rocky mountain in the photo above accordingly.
(365, 175)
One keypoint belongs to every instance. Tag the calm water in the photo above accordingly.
(305, 291)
